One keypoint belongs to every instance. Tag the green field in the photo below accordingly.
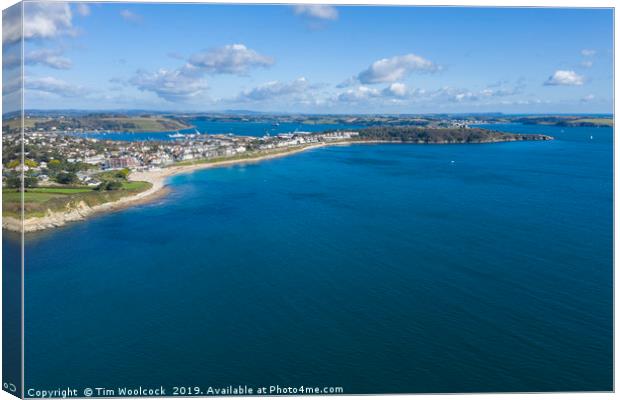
(15, 123)
(147, 124)
(37, 201)
(594, 121)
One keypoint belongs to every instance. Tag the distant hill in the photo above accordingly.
(415, 134)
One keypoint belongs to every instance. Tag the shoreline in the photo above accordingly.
(157, 178)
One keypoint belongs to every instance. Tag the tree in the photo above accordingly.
(122, 174)
(110, 185)
(66, 178)
(114, 185)
(13, 181)
(54, 165)
(31, 181)
(31, 163)
(13, 164)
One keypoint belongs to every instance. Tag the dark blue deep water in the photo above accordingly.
(378, 268)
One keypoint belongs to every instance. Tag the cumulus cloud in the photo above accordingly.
(396, 90)
(187, 82)
(48, 57)
(457, 95)
(565, 78)
(130, 16)
(42, 20)
(492, 92)
(400, 93)
(230, 59)
(171, 85)
(588, 52)
(54, 86)
(275, 89)
(395, 68)
(317, 11)
(11, 24)
(357, 94)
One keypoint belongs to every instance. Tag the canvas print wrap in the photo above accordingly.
(227, 199)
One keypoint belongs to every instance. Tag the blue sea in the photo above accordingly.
(220, 127)
(375, 268)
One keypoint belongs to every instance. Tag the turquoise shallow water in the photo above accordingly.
(378, 268)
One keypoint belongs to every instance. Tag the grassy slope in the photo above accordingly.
(149, 124)
(15, 123)
(594, 121)
(39, 200)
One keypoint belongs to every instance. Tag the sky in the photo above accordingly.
(313, 58)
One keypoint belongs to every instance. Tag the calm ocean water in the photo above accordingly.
(378, 268)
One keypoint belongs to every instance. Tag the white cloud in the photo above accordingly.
(275, 89)
(457, 95)
(82, 9)
(171, 85)
(54, 86)
(318, 11)
(395, 68)
(587, 63)
(42, 20)
(396, 90)
(47, 57)
(230, 59)
(11, 24)
(357, 94)
(565, 78)
(399, 93)
(588, 52)
(187, 82)
(130, 16)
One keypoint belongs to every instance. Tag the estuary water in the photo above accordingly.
(221, 127)
(376, 268)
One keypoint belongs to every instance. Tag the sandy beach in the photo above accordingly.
(157, 178)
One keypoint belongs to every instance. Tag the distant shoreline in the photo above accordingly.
(158, 178)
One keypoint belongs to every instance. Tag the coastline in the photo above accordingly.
(157, 178)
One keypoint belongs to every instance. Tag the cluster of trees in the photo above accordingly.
(113, 180)
(14, 180)
(65, 172)
(13, 176)
(109, 185)
(59, 171)
(416, 134)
